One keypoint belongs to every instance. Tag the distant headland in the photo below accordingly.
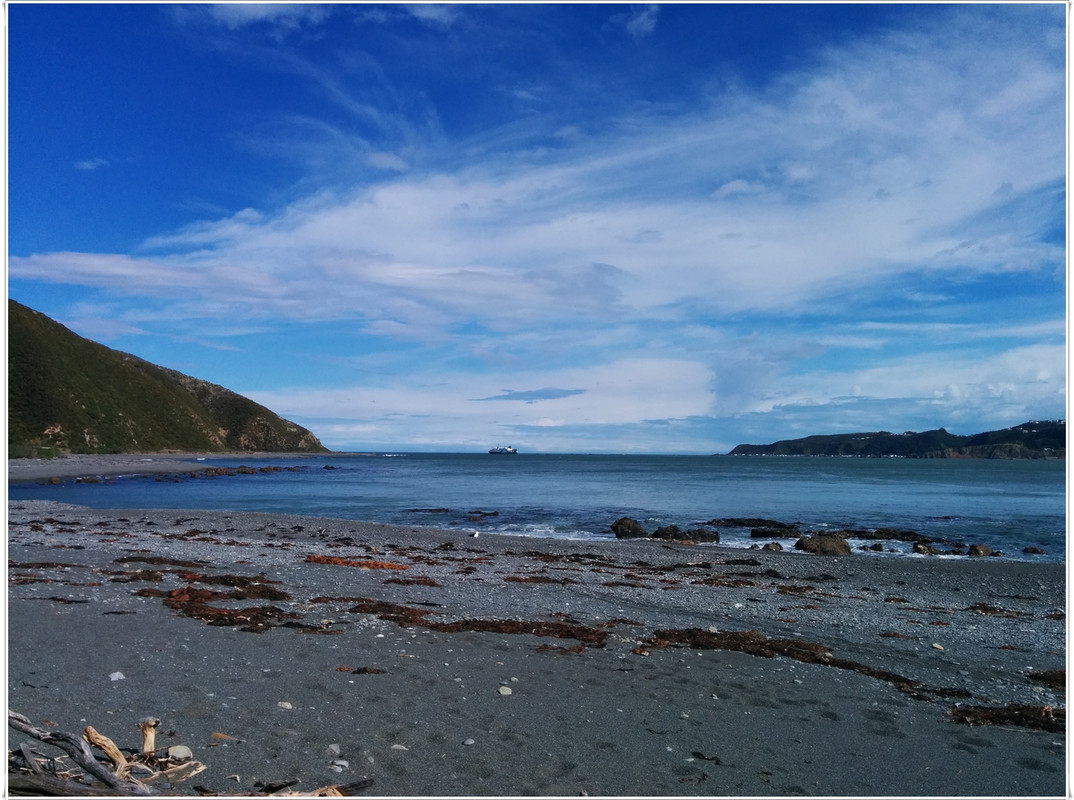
(1034, 439)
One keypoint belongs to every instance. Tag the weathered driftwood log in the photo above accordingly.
(79, 752)
(120, 782)
(148, 727)
(120, 766)
(44, 785)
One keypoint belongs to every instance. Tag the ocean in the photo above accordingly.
(1007, 505)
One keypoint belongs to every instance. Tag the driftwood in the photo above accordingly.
(78, 750)
(42, 776)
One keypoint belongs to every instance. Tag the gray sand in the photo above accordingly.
(625, 717)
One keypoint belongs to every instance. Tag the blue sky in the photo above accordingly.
(572, 228)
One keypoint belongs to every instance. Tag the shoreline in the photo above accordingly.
(74, 466)
(634, 667)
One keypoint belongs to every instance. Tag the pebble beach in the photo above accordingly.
(406, 661)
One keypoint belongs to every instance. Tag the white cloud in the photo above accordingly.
(91, 164)
(449, 406)
(881, 166)
(640, 21)
(387, 161)
(287, 15)
(438, 14)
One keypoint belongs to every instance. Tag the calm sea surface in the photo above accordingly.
(1007, 505)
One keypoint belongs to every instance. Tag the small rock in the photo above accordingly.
(180, 753)
(468, 742)
(504, 690)
(117, 676)
(937, 646)
(285, 704)
(400, 747)
(335, 768)
(334, 749)
(341, 762)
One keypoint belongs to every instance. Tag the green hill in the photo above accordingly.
(67, 394)
(1035, 439)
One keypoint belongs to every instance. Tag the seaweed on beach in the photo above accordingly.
(1052, 678)
(313, 558)
(561, 630)
(537, 579)
(407, 616)
(193, 602)
(1046, 718)
(756, 643)
(985, 608)
(421, 580)
(160, 561)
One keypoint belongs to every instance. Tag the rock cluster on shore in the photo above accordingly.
(830, 543)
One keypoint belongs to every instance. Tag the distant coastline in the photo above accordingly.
(1036, 439)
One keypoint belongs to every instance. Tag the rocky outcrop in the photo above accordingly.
(676, 534)
(627, 528)
(823, 544)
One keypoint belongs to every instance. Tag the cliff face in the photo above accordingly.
(67, 394)
(1034, 439)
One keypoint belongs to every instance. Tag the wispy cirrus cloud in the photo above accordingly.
(640, 21)
(812, 248)
(91, 164)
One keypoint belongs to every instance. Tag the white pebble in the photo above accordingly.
(468, 742)
(117, 676)
(334, 749)
(400, 747)
(284, 704)
(341, 762)
(505, 690)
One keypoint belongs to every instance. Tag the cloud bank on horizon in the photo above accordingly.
(574, 228)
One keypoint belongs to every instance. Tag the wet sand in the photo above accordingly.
(338, 652)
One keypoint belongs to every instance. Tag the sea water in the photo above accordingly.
(1007, 505)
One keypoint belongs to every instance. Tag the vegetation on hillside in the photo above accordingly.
(67, 394)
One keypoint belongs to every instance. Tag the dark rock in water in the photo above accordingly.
(890, 533)
(1033, 551)
(675, 533)
(877, 547)
(925, 549)
(977, 550)
(773, 533)
(627, 528)
(750, 522)
(772, 546)
(824, 544)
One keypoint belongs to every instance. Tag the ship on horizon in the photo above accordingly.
(500, 450)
